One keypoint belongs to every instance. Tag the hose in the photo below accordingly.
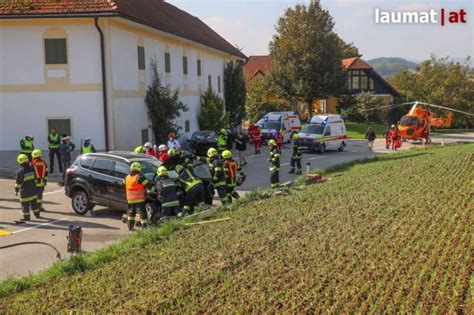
(58, 254)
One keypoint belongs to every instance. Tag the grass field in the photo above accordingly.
(358, 130)
(393, 235)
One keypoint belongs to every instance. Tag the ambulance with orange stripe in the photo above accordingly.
(324, 132)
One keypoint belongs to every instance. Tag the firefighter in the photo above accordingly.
(394, 135)
(217, 172)
(140, 149)
(41, 172)
(135, 186)
(87, 147)
(172, 142)
(27, 146)
(275, 163)
(167, 192)
(54, 141)
(194, 192)
(279, 139)
(163, 153)
(230, 169)
(388, 139)
(296, 157)
(26, 186)
(257, 139)
(222, 141)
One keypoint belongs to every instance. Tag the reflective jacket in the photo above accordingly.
(221, 142)
(188, 179)
(54, 141)
(230, 170)
(26, 146)
(166, 190)
(88, 149)
(26, 183)
(135, 185)
(41, 171)
(297, 153)
(217, 171)
(275, 160)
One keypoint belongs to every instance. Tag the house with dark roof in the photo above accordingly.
(360, 77)
(83, 66)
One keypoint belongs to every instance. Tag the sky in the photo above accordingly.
(250, 25)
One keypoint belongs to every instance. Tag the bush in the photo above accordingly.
(211, 116)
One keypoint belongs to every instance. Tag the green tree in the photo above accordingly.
(349, 50)
(306, 54)
(368, 107)
(163, 105)
(260, 101)
(439, 81)
(211, 116)
(234, 92)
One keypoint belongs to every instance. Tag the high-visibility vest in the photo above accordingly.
(28, 144)
(54, 141)
(135, 190)
(188, 180)
(230, 169)
(222, 142)
(41, 170)
(86, 149)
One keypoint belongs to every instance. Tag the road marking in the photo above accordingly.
(39, 225)
(54, 192)
(284, 164)
(317, 157)
(5, 233)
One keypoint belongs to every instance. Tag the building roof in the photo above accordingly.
(157, 14)
(355, 63)
(255, 65)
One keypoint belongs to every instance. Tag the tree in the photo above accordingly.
(211, 116)
(349, 50)
(260, 101)
(368, 106)
(163, 105)
(306, 54)
(439, 81)
(234, 92)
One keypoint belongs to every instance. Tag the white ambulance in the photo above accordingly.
(324, 132)
(269, 125)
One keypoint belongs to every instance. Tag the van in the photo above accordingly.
(271, 123)
(322, 133)
(293, 119)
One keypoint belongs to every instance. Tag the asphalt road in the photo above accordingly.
(106, 226)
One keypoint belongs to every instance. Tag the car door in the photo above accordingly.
(327, 137)
(100, 179)
(118, 198)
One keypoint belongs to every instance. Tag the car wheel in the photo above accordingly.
(322, 148)
(80, 202)
(342, 146)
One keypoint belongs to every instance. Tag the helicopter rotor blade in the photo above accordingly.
(391, 105)
(447, 108)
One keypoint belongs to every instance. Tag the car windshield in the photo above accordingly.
(205, 136)
(313, 129)
(271, 125)
(408, 121)
(202, 170)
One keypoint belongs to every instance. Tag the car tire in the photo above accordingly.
(322, 148)
(80, 202)
(342, 146)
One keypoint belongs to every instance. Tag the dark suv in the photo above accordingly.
(97, 179)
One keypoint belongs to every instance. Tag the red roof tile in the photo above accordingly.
(154, 13)
(255, 65)
(355, 63)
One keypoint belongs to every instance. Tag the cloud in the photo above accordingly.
(418, 6)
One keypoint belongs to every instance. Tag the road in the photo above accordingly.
(106, 226)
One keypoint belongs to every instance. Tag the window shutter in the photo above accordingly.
(55, 51)
(141, 58)
(167, 63)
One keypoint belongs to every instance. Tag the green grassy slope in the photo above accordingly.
(394, 235)
(358, 130)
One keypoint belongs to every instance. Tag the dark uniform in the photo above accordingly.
(275, 167)
(54, 141)
(166, 189)
(296, 157)
(218, 177)
(27, 147)
(26, 185)
(193, 188)
(230, 169)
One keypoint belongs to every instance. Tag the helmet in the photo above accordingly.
(272, 142)
(22, 159)
(222, 130)
(30, 136)
(87, 139)
(171, 135)
(172, 152)
(136, 167)
(36, 153)
(139, 149)
(162, 171)
(162, 148)
(227, 154)
(393, 126)
(148, 145)
(179, 168)
(295, 136)
(212, 152)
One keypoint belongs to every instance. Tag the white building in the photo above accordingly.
(52, 57)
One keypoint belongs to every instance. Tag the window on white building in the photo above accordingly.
(145, 137)
(55, 51)
(141, 58)
(185, 65)
(209, 82)
(219, 84)
(63, 126)
(187, 126)
(167, 63)
(199, 67)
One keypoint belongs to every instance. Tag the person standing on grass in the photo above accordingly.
(241, 146)
(370, 136)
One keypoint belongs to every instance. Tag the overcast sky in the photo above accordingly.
(250, 24)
